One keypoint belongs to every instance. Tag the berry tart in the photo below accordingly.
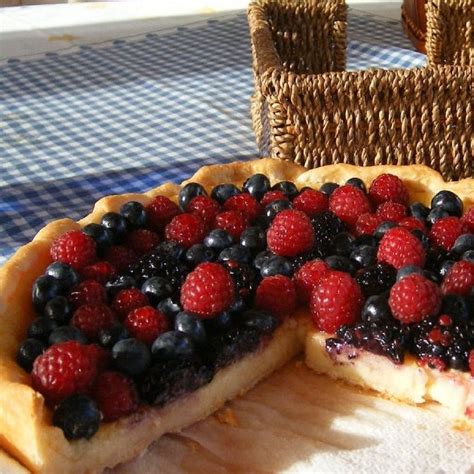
(154, 310)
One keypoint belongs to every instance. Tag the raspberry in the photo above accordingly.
(388, 187)
(186, 229)
(142, 241)
(276, 294)
(146, 323)
(74, 248)
(99, 271)
(471, 362)
(92, 318)
(205, 208)
(120, 257)
(414, 298)
(208, 290)
(127, 300)
(290, 233)
(337, 300)
(459, 280)
(391, 211)
(348, 203)
(308, 276)
(234, 222)
(367, 224)
(245, 203)
(311, 202)
(412, 223)
(468, 219)
(87, 292)
(445, 231)
(160, 212)
(116, 395)
(271, 196)
(63, 369)
(399, 247)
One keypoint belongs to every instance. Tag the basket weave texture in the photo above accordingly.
(307, 109)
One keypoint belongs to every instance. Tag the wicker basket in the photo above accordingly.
(306, 109)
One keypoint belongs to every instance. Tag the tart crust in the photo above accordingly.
(25, 424)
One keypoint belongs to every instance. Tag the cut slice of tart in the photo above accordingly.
(187, 307)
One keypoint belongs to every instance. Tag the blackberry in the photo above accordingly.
(443, 342)
(301, 259)
(385, 338)
(169, 379)
(245, 277)
(376, 279)
(326, 226)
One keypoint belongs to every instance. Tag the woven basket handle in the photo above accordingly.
(449, 33)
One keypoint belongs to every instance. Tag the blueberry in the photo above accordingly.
(365, 239)
(257, 185)
(116, 224)
(383, 228)
(169, 307)
(171, 249)
(422, 237)
(103, 236)
(261, 258)
(449, 202)
(357, 183)
(192, 326)
(468, 256)
(188, 192)
(457, 306)
(28, 351)
(237, 253)
(432, 276)
(67, 333)
(121, 282)
(462, 244)
(276, 265)
(218, 239)
(253, 238)
(328, 188)
(287, 188)
(172, 345)
(135, 214)
(78, 417)
(199, 253)
(409, 270)
(222, 192)
(444, 268)
(376, 309)
(272, 209)
(435, 214)
(131, 356)
(376, 279)
(364, 256)
(58, 309)
(156, 288)
(110, 336)
(220, 323)
(418, 210)
(45, 288)
(41, 328)
(343, 244)
(64, 273)
(340, 263)
(264, 321)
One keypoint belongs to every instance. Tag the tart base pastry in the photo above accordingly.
(25, 422)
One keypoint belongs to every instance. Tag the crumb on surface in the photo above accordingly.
(227, 416)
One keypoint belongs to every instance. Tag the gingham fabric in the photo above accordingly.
(129, 115)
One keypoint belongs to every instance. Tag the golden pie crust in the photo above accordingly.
(25, 423)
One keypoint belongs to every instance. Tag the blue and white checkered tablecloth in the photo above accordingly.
(129, 115)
